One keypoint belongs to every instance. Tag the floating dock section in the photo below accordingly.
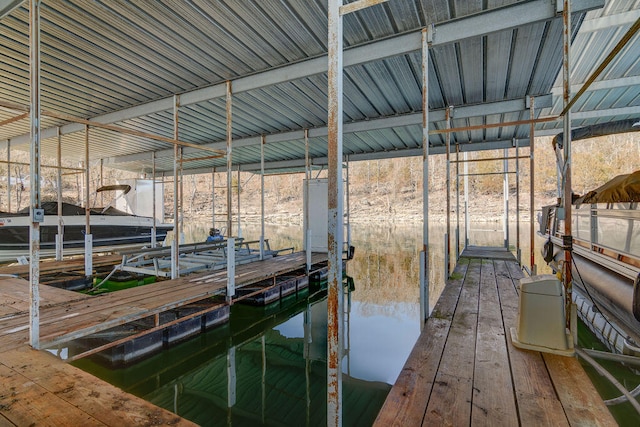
(40, 388)
(464, 370)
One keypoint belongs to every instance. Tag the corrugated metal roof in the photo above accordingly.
(116, 61)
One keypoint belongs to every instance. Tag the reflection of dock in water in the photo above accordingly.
(252, 371)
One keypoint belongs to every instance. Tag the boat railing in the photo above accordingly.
(607, 231)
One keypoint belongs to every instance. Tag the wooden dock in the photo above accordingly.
(65, 315)
(40, 389)
(464, 370)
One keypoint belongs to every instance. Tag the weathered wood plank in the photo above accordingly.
(68, 387)
(5, 422)
(50, 266)
(579, 398)
(407, 401)
(26, 403)
(493, 398)
(450, 401)
(536, 398)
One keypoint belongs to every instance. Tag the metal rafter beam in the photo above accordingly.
(479, 110)
(7, 6)
(299, 164)
(601, 85)
(480, 24)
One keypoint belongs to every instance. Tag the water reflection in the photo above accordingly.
(268, 365)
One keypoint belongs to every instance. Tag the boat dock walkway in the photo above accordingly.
(464, 370)
(66, 315)
(39, 388)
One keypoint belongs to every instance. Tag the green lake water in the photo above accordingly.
(267, 366)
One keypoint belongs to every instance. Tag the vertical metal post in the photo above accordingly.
(262, 143)
(566, 94)
(307, 226)
(34, 170)
(238, 190)
(424, 254)
(88, 237)
(457, 201)
(335, 227)
(213, 197)
(60, 234)
(229, 158)
(8, 175)
(447, 243)
(231, 269)
(154, 196)
(518, 252)
(175, 247)
(347, 208)
(181, 192)
(505, 190)
(101, 181)
(532, 207)
(466, 200)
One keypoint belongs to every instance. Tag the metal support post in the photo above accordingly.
(60, 234)
(9, 175)
(505, 191)
(447, 243)
(231, 268)
(465, 171)
(88, 237)
(262, 143)
(424, 254)
(518, 251)
(532, 207)
(101, 181)
(175, 246)
(307, 226)
(213, 198)
(457, 201)
(347, 208)
(566, 93)
(34, 170)
(154, 196)
(335, 225)
(229, 155)
(238, 191)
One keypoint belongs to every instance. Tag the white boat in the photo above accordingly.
(109, 227)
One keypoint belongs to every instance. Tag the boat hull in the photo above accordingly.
(613, 294)
(105, 230)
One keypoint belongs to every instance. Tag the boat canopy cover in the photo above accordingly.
(116, 187)
(621, 189)
(601, 129)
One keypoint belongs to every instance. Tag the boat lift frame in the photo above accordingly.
(194, 257)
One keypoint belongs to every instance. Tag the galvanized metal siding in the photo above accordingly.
(104, 56)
